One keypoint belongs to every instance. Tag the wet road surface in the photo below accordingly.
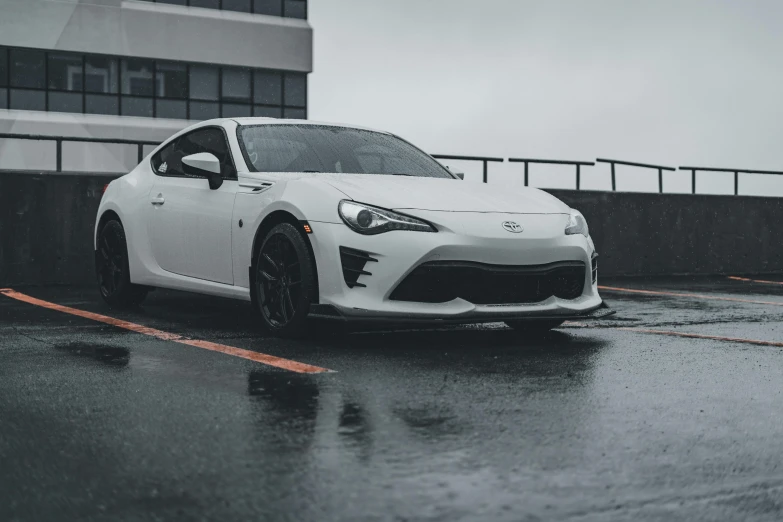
(592, 422)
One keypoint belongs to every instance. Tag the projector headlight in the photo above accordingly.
(368, 220)
(577, 224)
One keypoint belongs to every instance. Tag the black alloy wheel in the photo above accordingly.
(285, 281)
(111, 266)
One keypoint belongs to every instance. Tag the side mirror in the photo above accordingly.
(204, 165)
(460, 175)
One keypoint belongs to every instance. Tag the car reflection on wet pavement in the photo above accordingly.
(604, 421)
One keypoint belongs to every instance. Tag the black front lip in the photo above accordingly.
(329, 312)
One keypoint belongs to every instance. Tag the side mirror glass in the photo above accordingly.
(460, 175)
(204, 165)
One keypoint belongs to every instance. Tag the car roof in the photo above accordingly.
(283, 121)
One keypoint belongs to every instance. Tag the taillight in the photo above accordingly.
(106, 186)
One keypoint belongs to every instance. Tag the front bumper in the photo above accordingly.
(478, 238)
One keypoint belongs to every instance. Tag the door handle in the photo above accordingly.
(158, 200)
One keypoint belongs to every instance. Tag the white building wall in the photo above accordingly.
(132, 29)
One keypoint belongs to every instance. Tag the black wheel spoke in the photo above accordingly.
(279, 279)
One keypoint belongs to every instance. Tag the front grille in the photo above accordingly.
(479, 283)
(353, 262)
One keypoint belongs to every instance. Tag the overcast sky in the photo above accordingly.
(673, 82)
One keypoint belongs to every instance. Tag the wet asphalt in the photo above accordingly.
(591, 422)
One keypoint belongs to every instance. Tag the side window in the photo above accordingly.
(210, 140)
(168, 160)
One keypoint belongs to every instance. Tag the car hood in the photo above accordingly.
(442, 194)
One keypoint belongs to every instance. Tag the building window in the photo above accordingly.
(286, 8)
(94, 84)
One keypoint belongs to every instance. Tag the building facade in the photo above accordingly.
(141, 70)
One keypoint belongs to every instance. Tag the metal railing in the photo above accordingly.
(736, 172)
(60, 139)
(485, 160)
(660, 169)
(578, 164)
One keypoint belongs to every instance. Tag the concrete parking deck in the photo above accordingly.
(184, 408)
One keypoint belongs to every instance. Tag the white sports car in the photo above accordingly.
(320, 220)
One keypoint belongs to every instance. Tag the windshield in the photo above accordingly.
(324, 148)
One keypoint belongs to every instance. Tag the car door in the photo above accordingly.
(189, 224)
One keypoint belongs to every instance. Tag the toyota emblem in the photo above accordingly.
(512, 226)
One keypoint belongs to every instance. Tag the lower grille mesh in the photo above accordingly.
(478, 283)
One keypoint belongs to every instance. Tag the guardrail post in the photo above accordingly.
(736, 183)
(660, 181)
(693, 181)
(578, 180)
(526, 174)
(59, 154)
(486, 163)
(614, 183)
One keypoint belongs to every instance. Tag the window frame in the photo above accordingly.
(108, 97)
(233, 165)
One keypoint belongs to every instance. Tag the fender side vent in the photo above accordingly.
(353, 262)
(594, 267)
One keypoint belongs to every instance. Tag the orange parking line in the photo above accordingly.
(702, 336)
(735, 278)
(678, 294)
(269, 360)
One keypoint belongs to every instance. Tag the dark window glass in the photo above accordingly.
(236, 84)
(296, 114)
(3, 67)
(267, 87)
(295, 9)
(136, 77)
(209, 4)
(65, 72)
(3, 98)
(268, 112)
(175, 2)
(296, 90)
(235, 110)
(268, 7)
(204, 110)
(237, 5)
(168, 161)
(65, 102)
(203, 82)
(27, 69)
(171, 80)
(136, 106)
(25, 100)
(321, 148)
(101, 104)
(171, 109)
(100, 74)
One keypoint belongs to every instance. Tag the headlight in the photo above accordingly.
(366, 219)
(577, 224)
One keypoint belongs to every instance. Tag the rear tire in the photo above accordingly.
(534, 327)
(112, 269)
(285, 281)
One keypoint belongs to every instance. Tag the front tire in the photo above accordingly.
(534, 327)
(112, 269)
(285, 281)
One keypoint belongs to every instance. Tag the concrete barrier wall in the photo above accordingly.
(46, 227)
(47, 220)
(666, 234)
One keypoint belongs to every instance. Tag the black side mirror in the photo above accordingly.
(204, 165)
